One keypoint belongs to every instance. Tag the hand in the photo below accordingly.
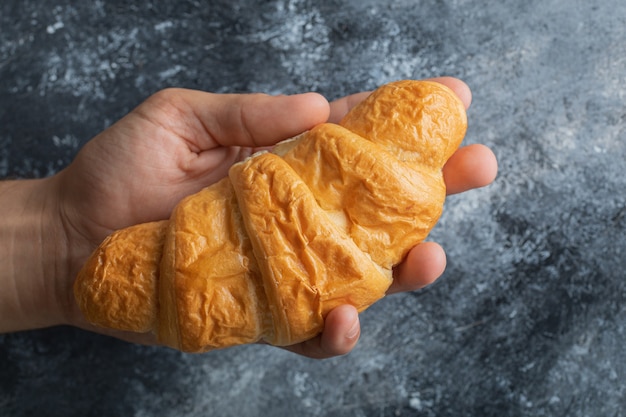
(179, 141)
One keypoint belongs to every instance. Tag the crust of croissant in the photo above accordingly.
(202, 265)
(387, 206)
(117, 287)
(309, 265)
(419, 122)
(210, 290)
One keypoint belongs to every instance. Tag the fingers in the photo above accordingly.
(340, 107)
(470, 167)
(422, 266)
(207, 120)
(459, 87)
(341, 334)
(261, 120)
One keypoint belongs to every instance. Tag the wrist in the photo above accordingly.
(34, 249)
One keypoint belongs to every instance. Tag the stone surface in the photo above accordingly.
(529, 318)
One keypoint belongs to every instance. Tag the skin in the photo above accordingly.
(172, 145)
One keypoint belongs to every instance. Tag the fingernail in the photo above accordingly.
(354, 330)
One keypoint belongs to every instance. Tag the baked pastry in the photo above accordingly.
(266, 253)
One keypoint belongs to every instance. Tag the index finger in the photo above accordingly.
(340, 107)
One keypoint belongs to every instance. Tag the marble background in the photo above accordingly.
(529, 318)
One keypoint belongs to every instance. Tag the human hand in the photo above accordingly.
(180, 141)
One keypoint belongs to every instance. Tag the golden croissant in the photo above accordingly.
(266, 253)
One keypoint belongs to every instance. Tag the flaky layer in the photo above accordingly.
(210, 286)
(385, 205)
(117, 287)
(420, 122)
(309, 265)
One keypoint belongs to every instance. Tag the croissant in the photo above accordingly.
(266, 253)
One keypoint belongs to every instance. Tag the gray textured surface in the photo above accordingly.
(528, 320)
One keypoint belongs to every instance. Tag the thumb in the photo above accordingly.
(254, 120)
